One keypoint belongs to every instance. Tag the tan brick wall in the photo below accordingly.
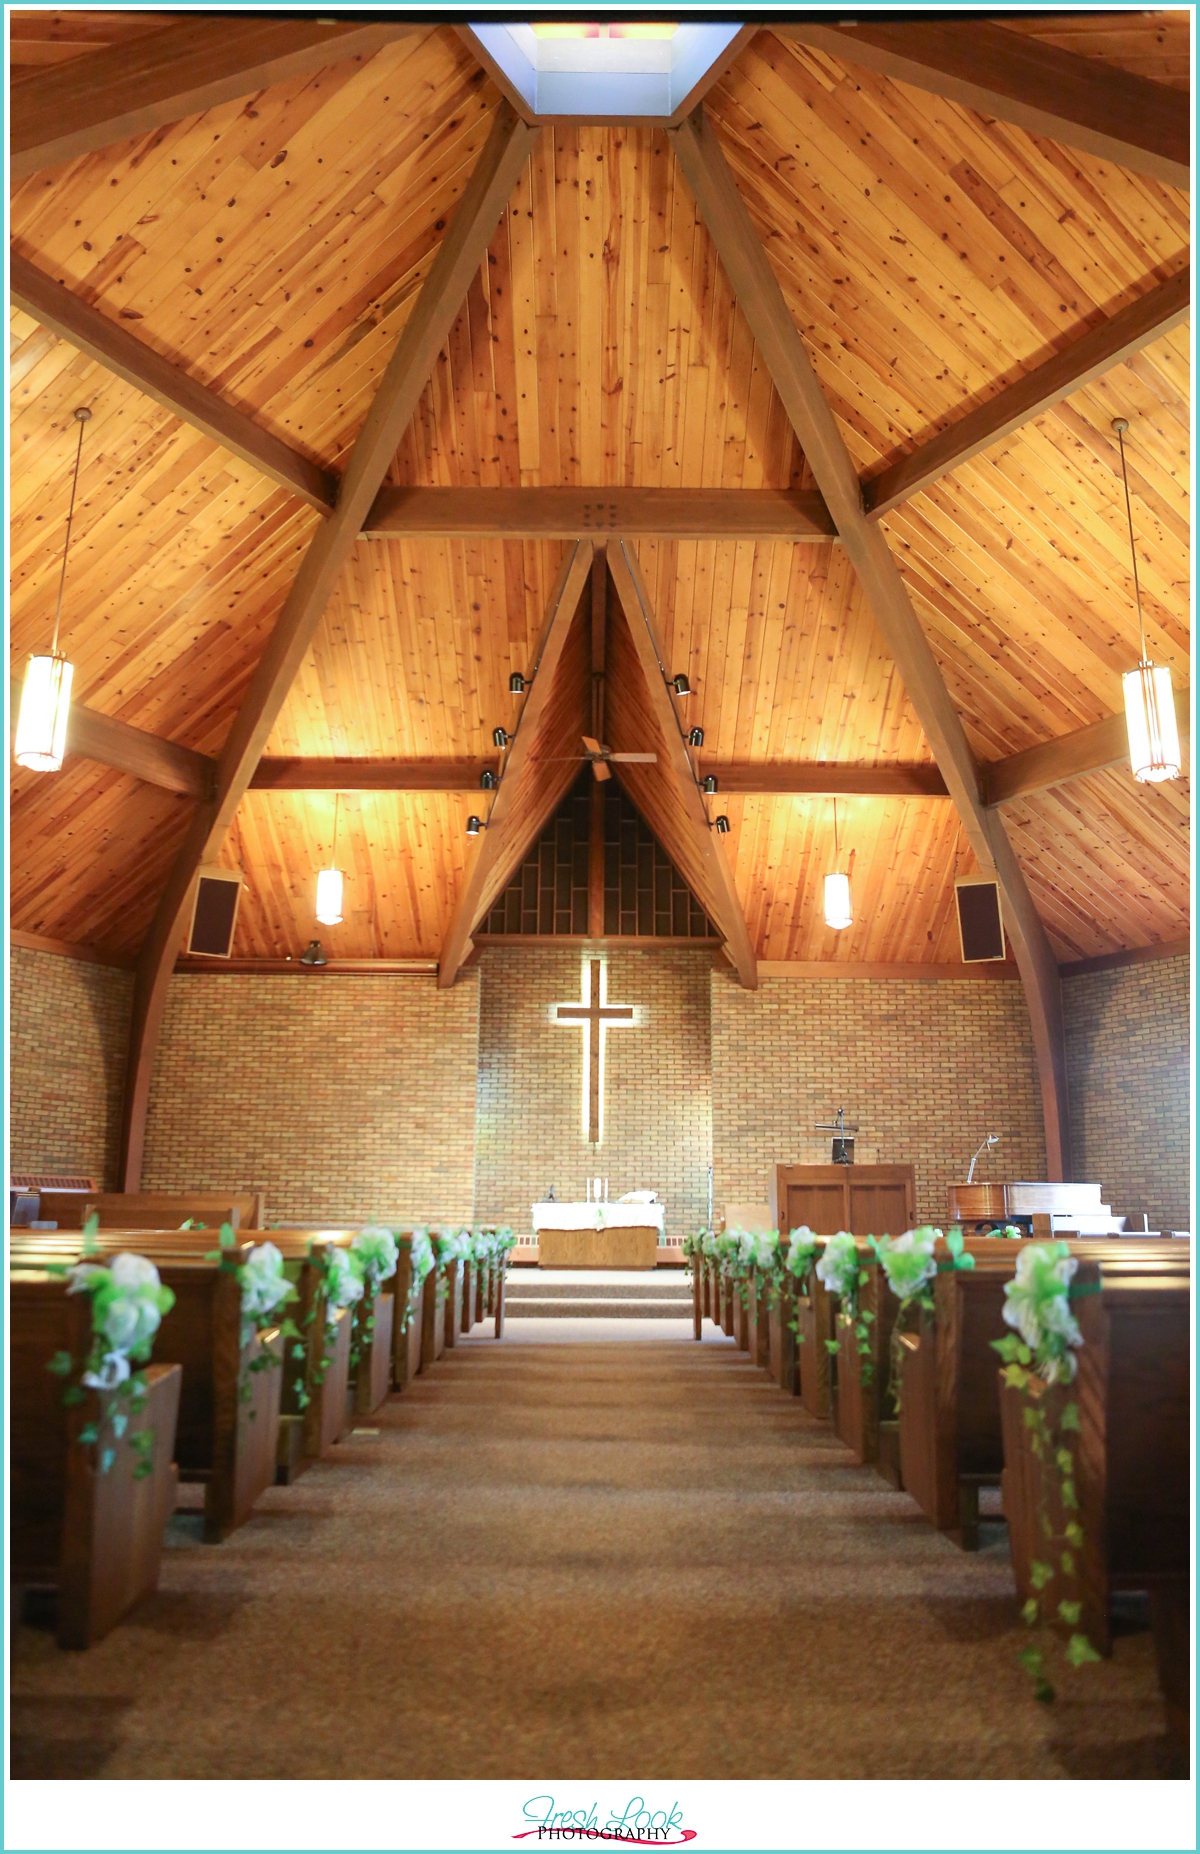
(1129, 1061)
(529, 1129)
(68, 1035)
(342, 1098)
(925, 1067)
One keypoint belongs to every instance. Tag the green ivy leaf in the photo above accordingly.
(1068, 1563)
(1066, 1464)
(142, 1470)
(1068, 1496)
(1080, 1651)
(72, 1396)
(1040, 1574)
(107, 1458)
(1070, 1417)
(1031, 1660)
(1070, 1612)
(1029, 1611)
(831, 1345)
(964, 1261)
(60, 1364)
(1016, 1376)
(120, 1424)
(1073, 1533)
(89, 1433)
(227, 1238)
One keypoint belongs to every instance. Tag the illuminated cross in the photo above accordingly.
(594, 1016)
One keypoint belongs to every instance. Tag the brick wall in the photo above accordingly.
(343, 1098)
(925, 1067)
(1129, 1061)
(68, 1036)
(529, 1126)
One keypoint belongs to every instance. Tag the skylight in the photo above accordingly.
(615, 70)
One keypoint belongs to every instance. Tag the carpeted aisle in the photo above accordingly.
(586, 1559)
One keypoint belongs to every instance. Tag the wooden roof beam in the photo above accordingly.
(728, 916)
(565, 513)
(194, 64)
(1156, 312)
(97, 335)
(1072, 756)
(508, 832)
(1079, 101)
(761, 301)
(461, 252)
(133, 750)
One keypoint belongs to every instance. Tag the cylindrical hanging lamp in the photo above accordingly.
(329, 883)
(41, 736)
(1150, 720)
(839, 911)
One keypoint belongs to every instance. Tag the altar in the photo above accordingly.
(597, 1235)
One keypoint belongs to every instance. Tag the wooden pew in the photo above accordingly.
(227, 1435)
(758, 1338)
(406, 1319)
(814, 1325)
(1131, 1461)
(950, 1436)
(153, 1210)
(94, 1537)
(783, 1352)
(433, 1315)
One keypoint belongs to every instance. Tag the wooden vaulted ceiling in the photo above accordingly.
(273, 248)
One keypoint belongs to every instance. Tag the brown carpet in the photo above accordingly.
(595, 1560)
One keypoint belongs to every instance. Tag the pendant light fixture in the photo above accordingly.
(329, 882)
(41, 738)
(838, 910)
(1150, 720)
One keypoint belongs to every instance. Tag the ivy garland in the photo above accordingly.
(128, 1303)
(374, 1255)
(341, 1286)
(910, 1265)
(265, 1289)
(1041, 1352)
(844, 1276)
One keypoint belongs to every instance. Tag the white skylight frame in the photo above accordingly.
(597, 80)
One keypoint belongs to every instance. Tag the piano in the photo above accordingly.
(1041, 1209)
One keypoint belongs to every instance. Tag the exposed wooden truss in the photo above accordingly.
(132, 89)
(1080, 101)
(697, 846)
(522, 801)
(458, 258)
(97, 335)
(565, 513)
(758, 291)
(1155, 313)
(1071, 756)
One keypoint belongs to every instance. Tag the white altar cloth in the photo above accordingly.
(594, 1216)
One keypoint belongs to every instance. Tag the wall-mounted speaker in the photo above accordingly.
(980, 925)
(214, 915)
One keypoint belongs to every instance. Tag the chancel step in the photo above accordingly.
(601, 1294)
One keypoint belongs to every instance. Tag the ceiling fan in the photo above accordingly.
(601, 756)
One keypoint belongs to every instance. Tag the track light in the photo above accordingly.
(721, 825)
(500, 738)
(488, 781)
(313, 955)
(710, 784)
(517, 684)
(696, 737)
(681, 685)
(474, 826)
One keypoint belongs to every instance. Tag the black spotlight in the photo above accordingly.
(500, 738)
(488, 781)
(473, 826)
(681, 685)
(710, 784)
(313, 954)
(517, 684)
(696, 737)
(722, 824)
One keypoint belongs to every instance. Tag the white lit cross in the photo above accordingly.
(594, 1016)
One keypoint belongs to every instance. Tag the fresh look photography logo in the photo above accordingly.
(636, 1825)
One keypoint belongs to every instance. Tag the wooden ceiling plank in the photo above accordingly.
(1080, 101)
(635, 603)
(98, 336)
(509, 829)
(564, 513)
(1154, 313)
(758, 291)
(458, 258)
(193, 65)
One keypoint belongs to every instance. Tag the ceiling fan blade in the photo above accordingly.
(600, 768)
(636, 759)
(593, 746)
